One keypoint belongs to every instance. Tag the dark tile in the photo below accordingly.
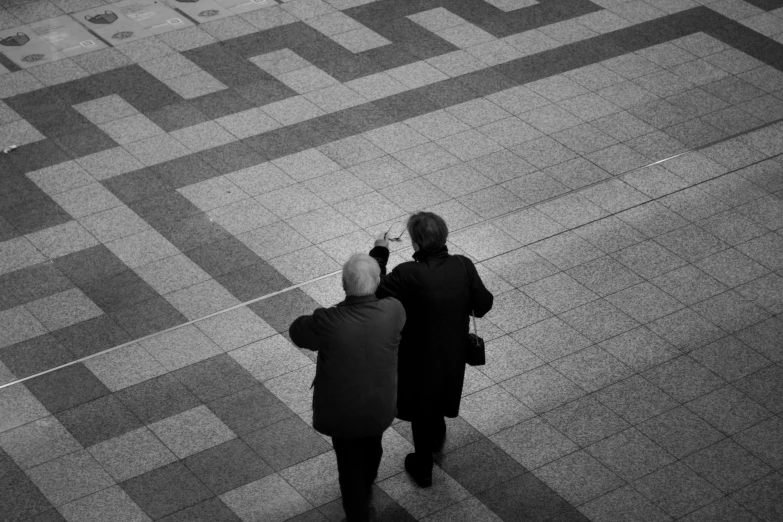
(53, 121)
(35, 282)
(216, 377)
(148, 317)
(166, 490)
(177, 116)
(158, 398)
(118, 291)
(408, 104)
(89, 264)
(279, 311)
(228, 466)
(139, 184)
(480, 466)
(287, 442)
(164, 209)
(184, 171)
(253, 281)
(146, 93)
(35, 355)
(211, 510)
(193, 231)
(7, 231)
(321, 130)
(231, 157)
(99, 420)
(364, 117)
(48, 516)
(221, 103)
(67, 388)
(449, 92)
(264, 92)
(765, 387)
(763, 498)
(524, 498)
(222, 257)
(486, 82)
(35, 215)
(91, 336)
(250, 409)
(7, 298)
(277, 143)
(38, 155)
(19, 497)
(85, 142)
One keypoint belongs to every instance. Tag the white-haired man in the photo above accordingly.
(355, 396)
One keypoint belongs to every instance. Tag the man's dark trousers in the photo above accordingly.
(357, 465)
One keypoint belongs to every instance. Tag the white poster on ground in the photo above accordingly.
(25, 48)
(153, 15)
(201, 10)
(67, 36)
(112, 25)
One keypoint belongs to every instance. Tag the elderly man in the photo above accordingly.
(355, 397)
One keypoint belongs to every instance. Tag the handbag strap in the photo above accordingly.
(475, 329)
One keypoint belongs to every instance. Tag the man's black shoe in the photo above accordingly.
(423, 478)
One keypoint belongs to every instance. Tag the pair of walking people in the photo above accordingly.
(395, 347)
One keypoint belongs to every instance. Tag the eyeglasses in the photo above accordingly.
(395, 237)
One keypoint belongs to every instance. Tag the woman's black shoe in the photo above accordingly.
(423, 478)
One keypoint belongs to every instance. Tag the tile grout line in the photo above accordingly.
(325, 276)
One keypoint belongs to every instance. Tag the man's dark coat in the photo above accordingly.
(438, 295)
(355, 383)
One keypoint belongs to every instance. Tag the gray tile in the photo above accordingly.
(534, 443)
(728, 409)
(689, 285)
(132, 454)
(578, 477)
(640, 349)
(551, 339)
(644, 302)
(585, 421)
(683, 378)
(680, 432)
(765, 440)
(623, 504)
(69, 477)
(763, 497)
(677, 490)
(38, 442)
(599, 320)
(727, 466)
(543, 389)
(730, 358)
(592, 368)
(635, 399)
(630, 454)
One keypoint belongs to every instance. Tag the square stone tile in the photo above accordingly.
(124, 367)
(228, 466)
(677, 490)
(181, 347)
(730, 358)
(727, 465)
(640, 349)
(99, 420)
(200, 300)
(559, 293)
(592, 368)
(649, 259)
(624, 503)
(599, 320)
(680, 432)
(270, 498)
(38, 442)
(250, 409)
(533, 443)
(529, 495)
(158, 398)
(551, 339)
(191, 431)
(69, 477)
(689, 285)
(66, 388)
(61, 240)
(630, 454)
(492, 410)
(635, 399)
(728, 409)
(763, 497)
(732, 267)
(585, 421)
(683, 378)
(131, 454)
(764, 440)
(578, 477)
(566, 250)
(111, 502)
(644, 302)
(165, 490)
(480, 466)
(731, 311)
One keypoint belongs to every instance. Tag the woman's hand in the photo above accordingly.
(382, 241)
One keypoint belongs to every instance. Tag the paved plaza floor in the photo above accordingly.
(190, 175)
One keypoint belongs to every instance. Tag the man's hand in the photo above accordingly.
(381, 240)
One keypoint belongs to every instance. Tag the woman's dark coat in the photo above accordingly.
(438, 293)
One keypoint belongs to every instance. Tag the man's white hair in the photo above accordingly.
(361, 275)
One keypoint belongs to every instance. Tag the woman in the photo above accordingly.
(438, 291)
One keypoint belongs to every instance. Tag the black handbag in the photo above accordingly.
(475, 353)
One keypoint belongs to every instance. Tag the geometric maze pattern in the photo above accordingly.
(635, 336)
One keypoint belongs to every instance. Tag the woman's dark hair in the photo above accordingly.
(427, 230)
